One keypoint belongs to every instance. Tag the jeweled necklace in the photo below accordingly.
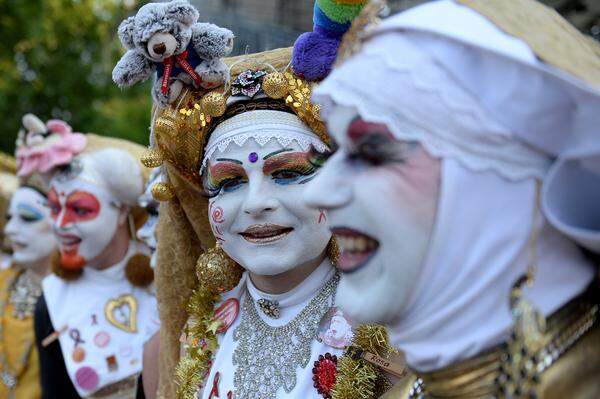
(24, 295)
(10, 377)
(267, 357)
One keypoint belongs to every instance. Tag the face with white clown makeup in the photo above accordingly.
(255, 212)
(147, 233)
(381, 197)
(85, 216)
(28, 227)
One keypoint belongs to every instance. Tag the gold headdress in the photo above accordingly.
(181, 132)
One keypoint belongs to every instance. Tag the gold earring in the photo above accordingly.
(217, 271)
(333, 250)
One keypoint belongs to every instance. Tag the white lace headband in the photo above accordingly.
(262, 126)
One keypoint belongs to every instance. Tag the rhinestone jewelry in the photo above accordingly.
(269, 307)
(10, 376)
(24, 295)
(267, 357)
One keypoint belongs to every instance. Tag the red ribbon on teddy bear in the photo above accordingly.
(181, 59)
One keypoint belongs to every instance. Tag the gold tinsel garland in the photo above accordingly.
(357, 378)
(194, 365)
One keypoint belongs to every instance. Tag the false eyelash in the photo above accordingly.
(377, 149)
(317, 159)
(211, 191)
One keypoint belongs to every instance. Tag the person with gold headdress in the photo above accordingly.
(464, 195)
(252, 264)
(98, 308)
(28, 231)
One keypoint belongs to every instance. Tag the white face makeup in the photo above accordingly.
(28, 227)
(381, 197)
(255, 210)
(85, 219)
(147, 233)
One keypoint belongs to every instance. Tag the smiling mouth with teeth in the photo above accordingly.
(265, 233)
(68, 242)
(356, 249)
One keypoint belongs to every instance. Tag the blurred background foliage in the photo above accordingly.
(56, 56)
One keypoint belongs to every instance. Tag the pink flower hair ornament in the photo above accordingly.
(41, 147)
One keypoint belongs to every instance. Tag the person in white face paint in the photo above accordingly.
(30, 235)
(8, 186)
(464, 197)
(97, 309)
(236, 243)
(147, 233)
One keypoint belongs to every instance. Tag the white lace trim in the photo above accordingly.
(418, 100)
(262, 126)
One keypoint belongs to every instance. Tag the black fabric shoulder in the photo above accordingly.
(54, 378)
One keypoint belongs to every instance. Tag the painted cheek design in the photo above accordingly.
(216, 219)
(322, 216)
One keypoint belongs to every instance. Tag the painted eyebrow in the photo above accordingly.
(287, 160)
(217, 170)
(230, 160)
(276, 152)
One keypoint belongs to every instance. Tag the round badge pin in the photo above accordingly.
(101, 339)
(227, 313)
(87, 378)
(78, 354)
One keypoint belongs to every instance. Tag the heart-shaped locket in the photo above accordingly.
(122, 313)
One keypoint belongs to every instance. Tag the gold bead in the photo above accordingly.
(214, 104)
(163, 192)
(217, 271)
(275, 85)
(152, 158)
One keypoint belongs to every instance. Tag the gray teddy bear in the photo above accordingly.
(167, 39)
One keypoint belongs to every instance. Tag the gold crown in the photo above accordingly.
(181, 130)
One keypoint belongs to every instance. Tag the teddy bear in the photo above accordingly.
(166, 40)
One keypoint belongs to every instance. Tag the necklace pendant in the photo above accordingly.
(8, 379)
(269, 308)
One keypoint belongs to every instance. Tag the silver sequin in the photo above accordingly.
(267, 357)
